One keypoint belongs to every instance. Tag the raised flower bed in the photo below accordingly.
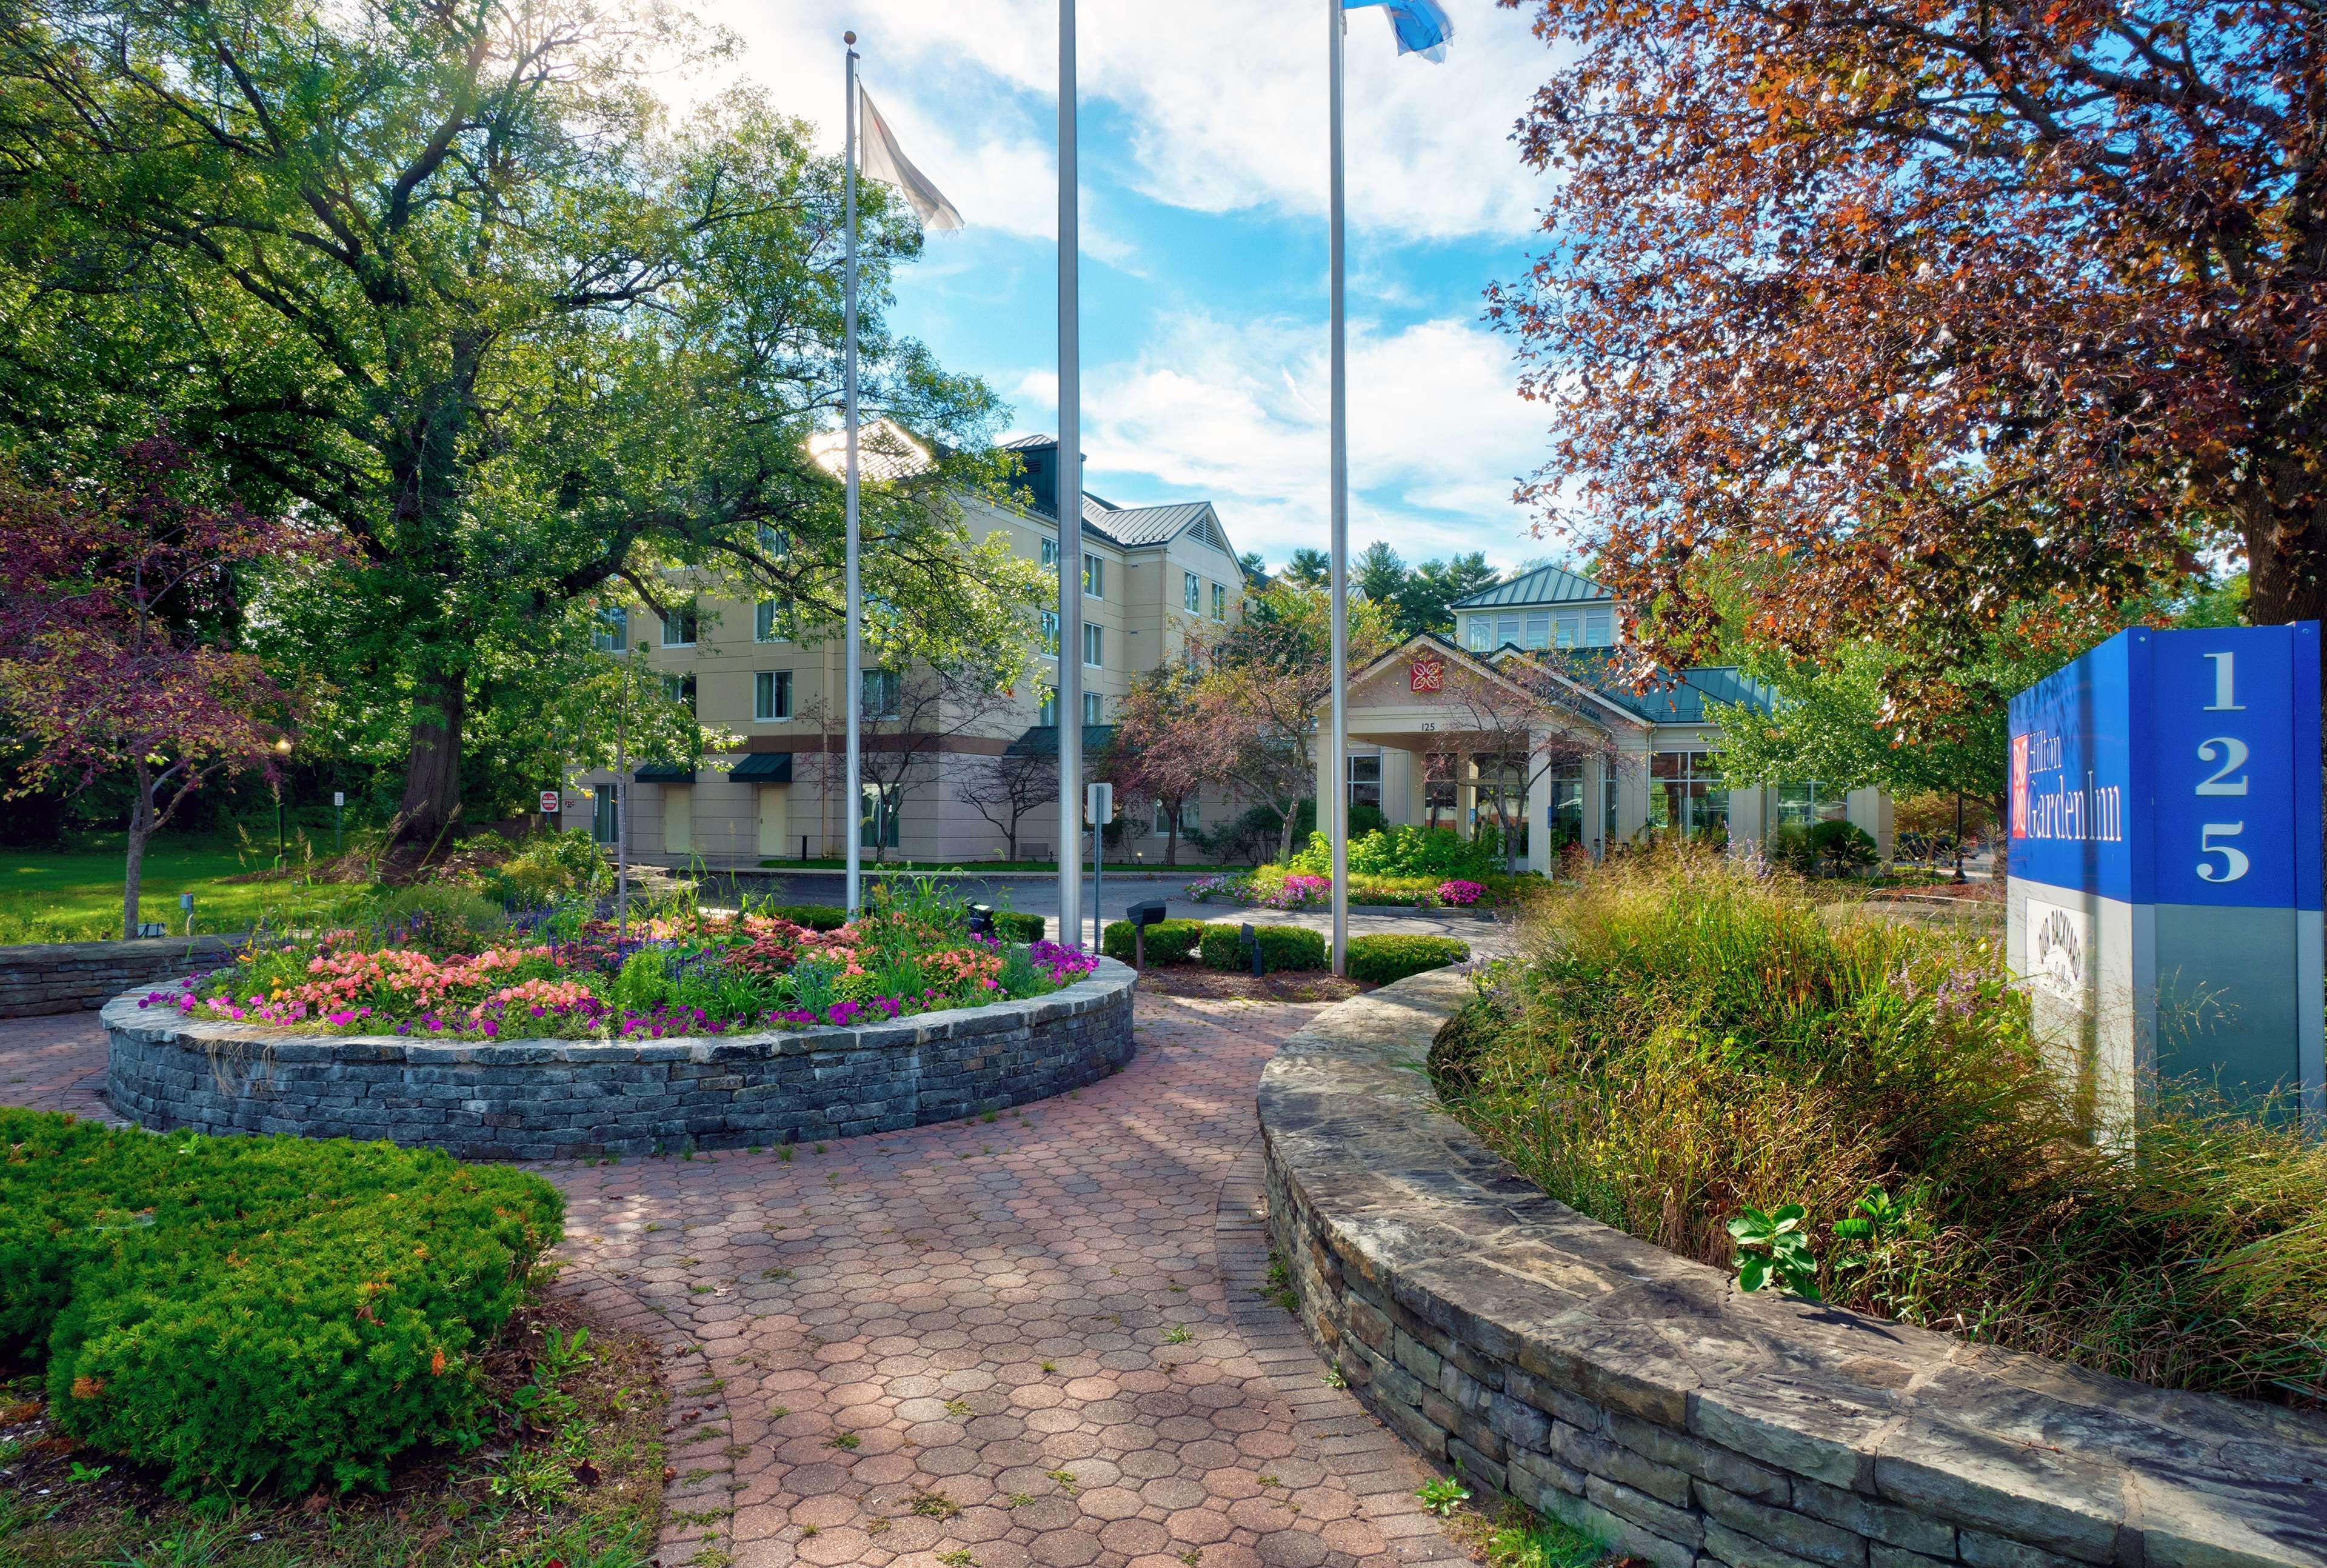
(562, 1039)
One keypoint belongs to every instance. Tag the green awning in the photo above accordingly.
(764, 768)
(664, 773)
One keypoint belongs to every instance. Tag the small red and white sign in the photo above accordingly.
(550, 804)
(1426, 675)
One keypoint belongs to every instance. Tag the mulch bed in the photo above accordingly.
(1213, 984)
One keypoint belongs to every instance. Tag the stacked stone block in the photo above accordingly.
(1646, 1398)
(544, 1100)
(44, 977)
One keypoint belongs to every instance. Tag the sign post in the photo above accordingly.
(2165, 868)
(1098, 810)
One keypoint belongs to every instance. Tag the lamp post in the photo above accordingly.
(281, 849)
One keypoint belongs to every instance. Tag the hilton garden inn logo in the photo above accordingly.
(2059, 952)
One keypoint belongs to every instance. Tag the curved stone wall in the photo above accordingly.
(1645, 1398)
(539, 1099)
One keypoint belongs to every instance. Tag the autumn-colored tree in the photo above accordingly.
(1943, 313)
(1266, 690)
(117, 618)
(1156, 758)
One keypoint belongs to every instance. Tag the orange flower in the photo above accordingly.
(436, 1364)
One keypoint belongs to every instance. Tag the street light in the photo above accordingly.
(281, 849)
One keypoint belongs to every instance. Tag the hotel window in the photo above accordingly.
(1482, 629)
(1220, 602)
(1051, 632)
(1049, 553)
(775, 541)
(1192, 819)
(1094, 708)
(1191, 593)
(1094, 644)
(771, 696)
(1538, 630)
(1809, 801)
(1439, 791)
(883, 692)
(678, 627)
(612, 632)
(604, 827)
(1047, 715)
(679, 688)
(1687, 795)
(1094, 578)
(877, 821)
(1507, 629)
(769, 624)
(1599, 629)
(1571, 626)
(1366, 781)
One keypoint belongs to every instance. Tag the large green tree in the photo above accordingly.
(443, 278)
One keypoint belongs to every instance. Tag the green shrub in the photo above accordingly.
(1281, 948)
(1405, 851)
(1841, 846)
(1168, 942)
(547, 867)
(1683, 1042)
(442, 915)
(815, 917)
(1012, 926)
(1380, 959)
(240, 1310)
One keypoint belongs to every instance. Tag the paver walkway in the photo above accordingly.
(1044, 1339)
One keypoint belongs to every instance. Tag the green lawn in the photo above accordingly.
(75, 895)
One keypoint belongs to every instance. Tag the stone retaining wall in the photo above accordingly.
(534, 1099)
(42, 977)
(1645, 1398)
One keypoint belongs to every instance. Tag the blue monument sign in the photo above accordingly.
(2166, 866)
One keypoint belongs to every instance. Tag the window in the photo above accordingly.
(1439, 789)
(769, 624)
(678, 627)
(1687, 795)
(1507, 629)
(1570, 624)
(876, 824)
(603, 825)
(775, 541)
(1094, 578)
(1094, 708)
(1094, 644)
(1051, 632)
(1480, 630)
(1366, 781)
(883, 693)
(1801, 805)
(613, 633)
(679, 688)
(1192, 820)
(771, 696)
(1220, 602)
(1047, 715)
(1539, 628)
(1191, 593)
(1599, 629)
(1049, 552)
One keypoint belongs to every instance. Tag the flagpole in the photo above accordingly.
(1070, 499)
(1338, 744)
(853, 811)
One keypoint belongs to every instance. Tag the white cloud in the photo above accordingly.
(1226, 100)
(1238, 414)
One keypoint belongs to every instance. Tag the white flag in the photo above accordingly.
(882, 159)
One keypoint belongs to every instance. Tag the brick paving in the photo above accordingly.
(1040, 1340)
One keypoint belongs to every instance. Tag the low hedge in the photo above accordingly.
(1012, 926)
(1281, 948)
(815, 917)
(240, 1310)
(1379, 960)
(1168, 941)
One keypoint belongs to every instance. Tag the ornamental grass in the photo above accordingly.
(1682, 1040)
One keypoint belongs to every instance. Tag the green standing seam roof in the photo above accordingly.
(1042, 740)
(663, 773)
(1544, 586)
(763, 768)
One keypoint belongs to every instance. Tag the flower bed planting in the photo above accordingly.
(570, 973)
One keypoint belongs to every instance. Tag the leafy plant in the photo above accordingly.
(1443, 1495)
(1379, 959)
(1772, 1245)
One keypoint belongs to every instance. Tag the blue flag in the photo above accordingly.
(1421, 27)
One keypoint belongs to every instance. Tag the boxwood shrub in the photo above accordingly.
(1380, 959)
(1168, 941)
(240, 1310)
(1012, 926)
(815, 917)
(1281, 948)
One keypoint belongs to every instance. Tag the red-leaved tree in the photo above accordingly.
(1157, 756)
(117, 609)
(1913, 315)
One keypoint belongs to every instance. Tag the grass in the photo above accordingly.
(74, 895)
(578, 1479)
(1681, 1042)
(979, 867)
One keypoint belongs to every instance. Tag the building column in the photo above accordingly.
(1869, 810)
(1539, 818)
(1631, 798)
(1595, 815)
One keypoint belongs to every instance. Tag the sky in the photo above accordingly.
(1202, 148)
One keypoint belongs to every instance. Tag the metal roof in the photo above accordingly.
(1136, 525)
(1682, 703)
(1042, 740)
(763, 768)
(1544, 586)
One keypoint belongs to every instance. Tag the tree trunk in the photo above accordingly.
(1285, 835)
(1172, 837)
(141, 830)
(432, 780)
(2286, 557)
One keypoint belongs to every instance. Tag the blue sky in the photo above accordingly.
(1204, 259)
